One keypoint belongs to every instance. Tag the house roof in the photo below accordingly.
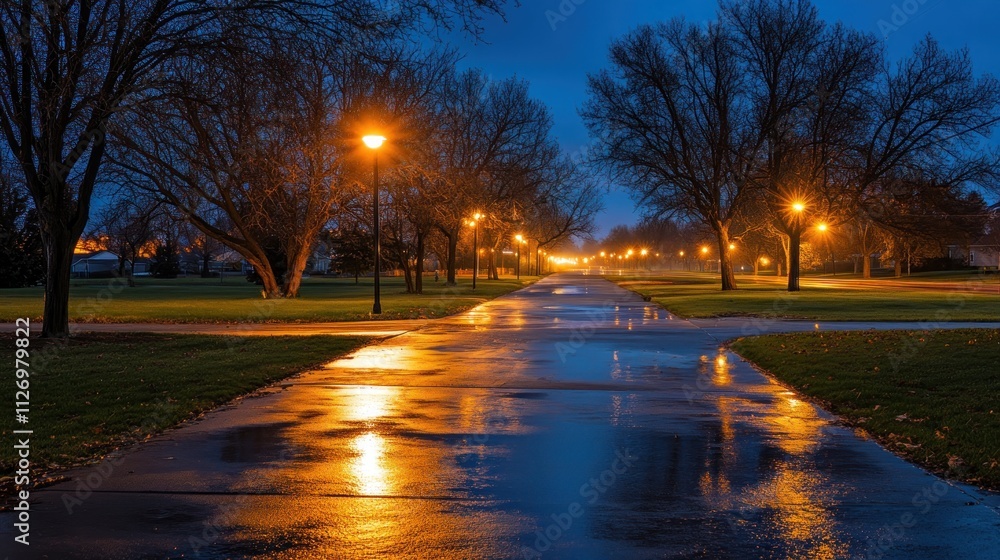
(95, 256)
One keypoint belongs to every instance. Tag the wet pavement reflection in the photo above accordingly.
(568, 420)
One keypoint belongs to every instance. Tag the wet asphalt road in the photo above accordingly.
(568, 420)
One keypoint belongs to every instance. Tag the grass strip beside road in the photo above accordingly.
(930, 396)
(195, 300)
(699, 296)
(98, 393)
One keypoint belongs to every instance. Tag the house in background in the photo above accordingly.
(985, 251)
(98, 264)
(319, 261)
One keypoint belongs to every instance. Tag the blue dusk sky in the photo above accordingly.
(555, 54)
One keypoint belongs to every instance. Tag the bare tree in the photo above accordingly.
(490, 152)
(772, 99)
(839, 120)
(673, 125)
(565, 207)
(270, 142)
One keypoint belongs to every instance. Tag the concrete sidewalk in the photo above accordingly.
(570, 419)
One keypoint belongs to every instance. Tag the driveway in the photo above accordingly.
(570, 419)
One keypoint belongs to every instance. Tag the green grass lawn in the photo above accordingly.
(931, 396)
(97, 393)
(699, 295)
(189, 300)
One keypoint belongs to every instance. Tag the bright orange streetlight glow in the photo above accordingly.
(644, 252)
(704, 250)
(732, 246)
(373, 141)
(798, 206)
(603, 254)
(764, 261)
(682, 253)
(519, 238)
(821, 227)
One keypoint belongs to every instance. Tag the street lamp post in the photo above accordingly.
(797, 212)
(520, 241)
(823, 228)
(375, 142)
(475, 247)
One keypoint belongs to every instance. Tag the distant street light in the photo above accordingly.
(798, 206)
(375, 142)
(475, 247)
(822, 228)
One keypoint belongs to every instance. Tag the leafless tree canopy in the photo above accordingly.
(771, 104)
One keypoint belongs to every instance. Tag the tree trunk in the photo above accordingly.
(419, 276)
(293, 278)
(408, 276)
(725, 259)
(452, 256)
(59, 263)
(272, 289)
(898, 267)
(756, 266)
(131, 271)
(866, 265)
(794, 241)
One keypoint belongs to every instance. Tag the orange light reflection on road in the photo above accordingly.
(794, 500)
(368, 466)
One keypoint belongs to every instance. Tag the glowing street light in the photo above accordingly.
(474, 223)
(732, 246)
(520, 241)
(798, 206)
(375, 142)
(822, 228)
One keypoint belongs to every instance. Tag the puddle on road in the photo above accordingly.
(252, 444)
(568, 290)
